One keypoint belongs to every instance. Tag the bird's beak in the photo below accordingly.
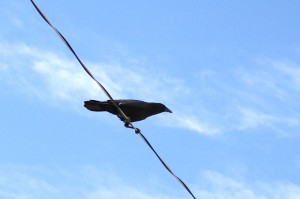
(168, 110)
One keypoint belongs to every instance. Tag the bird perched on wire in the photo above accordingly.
(136, 110)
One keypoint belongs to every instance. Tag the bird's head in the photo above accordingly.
(156, 108)
(167, 110)
(163, 108)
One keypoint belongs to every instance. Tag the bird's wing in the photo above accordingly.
(132, 104)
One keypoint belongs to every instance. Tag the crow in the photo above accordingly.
(136, 110)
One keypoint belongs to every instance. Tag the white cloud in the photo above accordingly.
(59, 81)
(292, 72)
(219, 186)
(85, 183)
(261, 96)
(246, 99)
(43, 74)
(190, 122)
(252, 118)
(268, 96)
(91, 183)
(19, 185)
(222, 187)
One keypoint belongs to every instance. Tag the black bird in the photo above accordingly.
(136, 110)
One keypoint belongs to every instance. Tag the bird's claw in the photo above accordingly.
(127, 125)
(137, 130)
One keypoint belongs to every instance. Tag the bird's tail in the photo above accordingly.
(94, 105)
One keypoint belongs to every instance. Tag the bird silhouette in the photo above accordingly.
(136, 110)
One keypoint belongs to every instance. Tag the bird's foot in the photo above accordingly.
(127, 125)
(137, 130)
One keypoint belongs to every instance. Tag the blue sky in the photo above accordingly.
(229, 71)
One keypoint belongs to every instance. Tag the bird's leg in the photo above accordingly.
(137, 130)
(127, 125)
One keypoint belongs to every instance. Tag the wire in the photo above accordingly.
(166, 166)
(126, 119)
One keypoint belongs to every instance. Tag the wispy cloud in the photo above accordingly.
(257, 96)
(90, 183)
(272, 90)
(219, 186)
(291, 72)
(247, 98)
(84, 183)
(252, 118)
(44, 75)
(191, 122)
(57, 80)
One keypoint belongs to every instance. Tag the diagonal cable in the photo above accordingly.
(82, 64)
(126, 119)
(166, 166)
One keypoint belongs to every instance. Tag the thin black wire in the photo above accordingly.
(166, 166)
(127, 120)
(82, 64)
